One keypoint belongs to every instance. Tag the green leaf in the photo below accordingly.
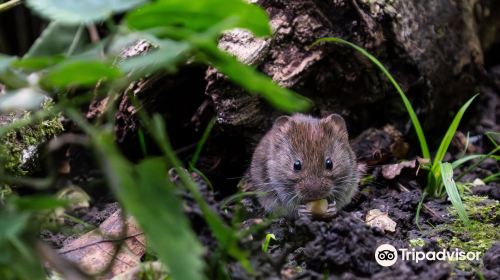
(38, 202)
(37, 63)
(265, 245)
(10, 77)
(443, 147)
(256, 82)
(12, 224)
(148, 195)
(165, 57)
(79, 73)
(406, 102)
(201, 15)
(56, 39)
(452, 191)
(80, 11)
(29, 98)
(445, 143)
(223, 233)
(5, 61)
(165, 223)
(457, 163)
(201, 143)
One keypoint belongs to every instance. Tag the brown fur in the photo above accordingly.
(312, 141)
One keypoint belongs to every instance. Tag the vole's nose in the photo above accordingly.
(313, 190)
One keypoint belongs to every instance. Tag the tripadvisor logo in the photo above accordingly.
(387, 255)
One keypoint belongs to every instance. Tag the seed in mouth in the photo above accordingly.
(317, 207)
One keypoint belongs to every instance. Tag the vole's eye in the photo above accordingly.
(328, 164)
(297, 165)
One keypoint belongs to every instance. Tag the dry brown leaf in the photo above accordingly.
(93, 251)
(377, 218)
(390, 171)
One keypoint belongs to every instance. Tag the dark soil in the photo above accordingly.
(342, 247)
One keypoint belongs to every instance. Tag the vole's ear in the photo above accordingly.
(335, 125)
(280, 121)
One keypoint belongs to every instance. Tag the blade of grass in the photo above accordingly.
(407, 104)
(142, 142)
(475, 165)
(201, 143)
(491, 178)
(419, 208)
(205, 178)
(457, 163)
(434, 183)
(452, 191)
(490, 135)
(445, 143)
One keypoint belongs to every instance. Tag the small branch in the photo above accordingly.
(9, 5)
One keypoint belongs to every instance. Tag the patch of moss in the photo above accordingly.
(25, 140)
(484, 215)
(418, 242)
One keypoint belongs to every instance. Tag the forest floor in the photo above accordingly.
(344, 246)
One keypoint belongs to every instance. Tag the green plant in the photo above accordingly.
(68, 66)
(435, 177)
(265, 244)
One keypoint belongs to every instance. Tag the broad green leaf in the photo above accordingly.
(22, 99)
(79, 73)
(256, 82)
(451, 189)
(56, 39)
(10, 77)
(11, 224)
(5, 61)
(201, 15)
(80, 11)
(225, 235)
(406, 102)
(37, 63)
(148, 195)
(38, 202)
(164, 57)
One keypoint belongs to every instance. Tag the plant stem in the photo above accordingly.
(9, 5)
(75, 41)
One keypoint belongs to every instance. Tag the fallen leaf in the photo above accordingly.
(390, 171)
(377, 218)
(147, 270)
(93, 251)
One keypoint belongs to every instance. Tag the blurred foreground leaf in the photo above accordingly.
(55, 39)
(22, 99)
(148, 195)
(165, 57)
(79, 73)
(80, 11)
(256, 82)
(200, 15)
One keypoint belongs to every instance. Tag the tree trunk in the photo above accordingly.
(434, 49)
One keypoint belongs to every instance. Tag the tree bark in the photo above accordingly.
(435, 49)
